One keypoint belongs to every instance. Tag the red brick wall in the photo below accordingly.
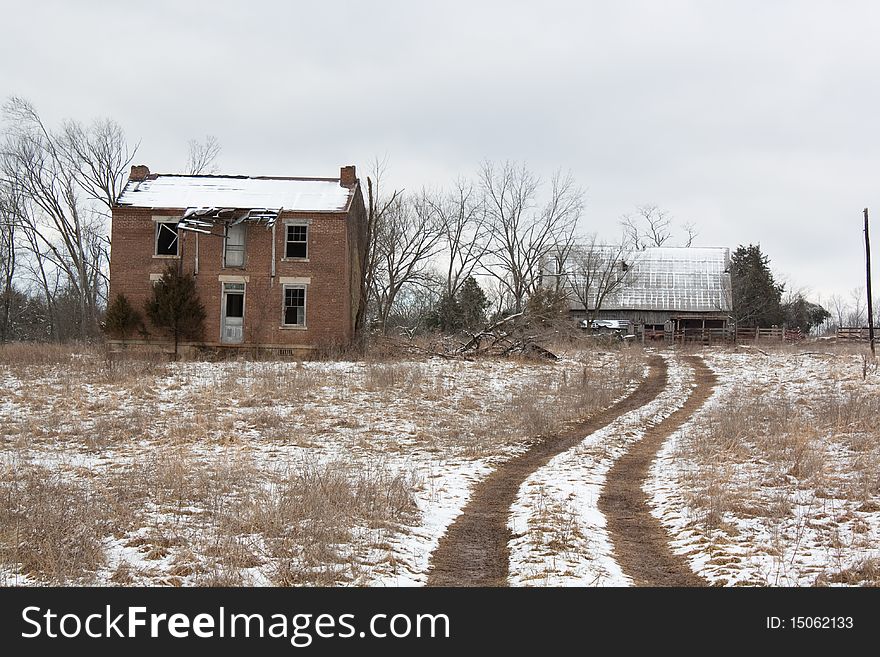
(329, 309)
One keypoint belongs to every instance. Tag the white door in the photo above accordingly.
(232, 321)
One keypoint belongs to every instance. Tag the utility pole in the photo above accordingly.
(870, 301)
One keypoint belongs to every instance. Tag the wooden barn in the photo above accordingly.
(661, 291)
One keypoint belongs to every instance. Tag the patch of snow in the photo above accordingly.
(233, 192)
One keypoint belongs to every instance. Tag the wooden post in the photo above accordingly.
(870, 301)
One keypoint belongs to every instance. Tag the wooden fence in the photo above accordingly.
(722, 335)
(859, 333)
(776, 333)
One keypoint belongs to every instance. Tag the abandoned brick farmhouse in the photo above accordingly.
(276, 260)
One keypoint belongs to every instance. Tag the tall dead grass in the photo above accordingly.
(48, 528)
(318, 522)
(829, 444)
(157, 456)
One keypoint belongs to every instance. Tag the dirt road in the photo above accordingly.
(641, 545)
(474, 551)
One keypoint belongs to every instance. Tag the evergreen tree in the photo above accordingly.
(471, 304)
(803, 314)
(547, 307)
(445, 314)
(121, 318)
(757, 297)
(175, 306)
(464, 311)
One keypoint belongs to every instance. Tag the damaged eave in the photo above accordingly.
(201, 220)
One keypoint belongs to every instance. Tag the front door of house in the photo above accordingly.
(232, 321)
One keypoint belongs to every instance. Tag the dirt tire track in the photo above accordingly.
(474, 551)
(641, 544)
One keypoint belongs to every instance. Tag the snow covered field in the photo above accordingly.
(348, 473)
(260, 473)
(776, 480)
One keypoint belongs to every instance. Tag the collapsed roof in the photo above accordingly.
(200, 220)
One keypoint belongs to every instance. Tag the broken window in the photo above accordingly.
(294, 305)
(233, 254)
(297, 241)
(166, 239)
(234, 304)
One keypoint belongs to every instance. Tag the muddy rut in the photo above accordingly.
(641, 545)
(474, 551)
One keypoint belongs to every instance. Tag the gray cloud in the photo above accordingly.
(755, 120)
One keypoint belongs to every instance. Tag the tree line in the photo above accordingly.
(447, 259)
(516, 232)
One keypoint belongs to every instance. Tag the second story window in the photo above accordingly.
(297, 243)
(233, 252)
(166, 239)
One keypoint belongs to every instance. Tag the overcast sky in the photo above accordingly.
(757, 121)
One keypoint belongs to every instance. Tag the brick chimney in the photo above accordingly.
(139, 172)
(347, 176)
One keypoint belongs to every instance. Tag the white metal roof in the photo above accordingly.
(695, 279)
(172, 191)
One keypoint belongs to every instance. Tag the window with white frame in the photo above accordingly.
(233, 251)
(297, 242)
(166, 238)
(294, 305)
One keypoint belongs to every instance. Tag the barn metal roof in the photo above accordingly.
(673, 279)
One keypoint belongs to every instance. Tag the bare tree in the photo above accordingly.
(838, 309)
(412, 307)
(857, 315)
(691, 233)
(559, 261)
(651, 226)
(8, 222)
(101, 156)
(522, 235)
(202, 156)
(377, 207)
(68, 181)
(405, 240)
(595, 272)
(464, 231)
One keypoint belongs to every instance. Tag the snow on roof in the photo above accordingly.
(677, 279)
(241, 192)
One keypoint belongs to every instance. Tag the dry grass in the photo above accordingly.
(783, 443)
(48, 528)
(316, 521)
(235, 472)
(788, 466)
(556, 528)
(866, 573)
